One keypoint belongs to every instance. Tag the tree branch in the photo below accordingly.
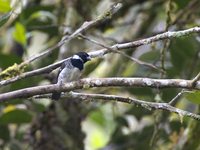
(101, 52)
(85, 26)
(36, 72)
(129, 100)
(122, 53)
(99, 82)
(196, 78)
(175, 99)
(145, 104)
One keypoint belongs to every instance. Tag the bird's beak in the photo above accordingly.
(89, 58)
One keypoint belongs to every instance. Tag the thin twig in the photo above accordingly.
(175, 99)
(122, 53)
(197, 78)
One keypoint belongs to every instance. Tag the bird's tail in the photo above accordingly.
(56, 96)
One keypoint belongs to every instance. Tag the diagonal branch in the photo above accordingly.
(99, 82)
(193, 82)
(85, 26)
(101, 52)
(36, 72)
(196, 78)
(122, 53)
(158, 37)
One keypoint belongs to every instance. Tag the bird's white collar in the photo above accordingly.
(77, 57)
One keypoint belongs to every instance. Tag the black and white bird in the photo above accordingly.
(71, 70)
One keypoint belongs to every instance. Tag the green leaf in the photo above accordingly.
(194, 97)
(4, 18)
(182, 51)
(19, 34)
(182, 4)
(38, 107)
(5, 6)
(130, 69)
(16, 116)
(141, 92)
(29, 11)
(43, 15)
(98, 138)
(4, 132)
(150, 56)
(4, 63)
(137, 112)
(97, 117)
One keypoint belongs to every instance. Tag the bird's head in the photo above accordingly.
(83, 56)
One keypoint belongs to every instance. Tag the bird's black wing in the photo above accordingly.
(56, 95)
(61, 68)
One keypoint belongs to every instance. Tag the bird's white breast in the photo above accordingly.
(68, 75)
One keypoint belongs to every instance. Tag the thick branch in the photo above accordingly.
(100, 53)
(100, 82)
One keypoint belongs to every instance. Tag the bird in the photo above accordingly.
(70, 70)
